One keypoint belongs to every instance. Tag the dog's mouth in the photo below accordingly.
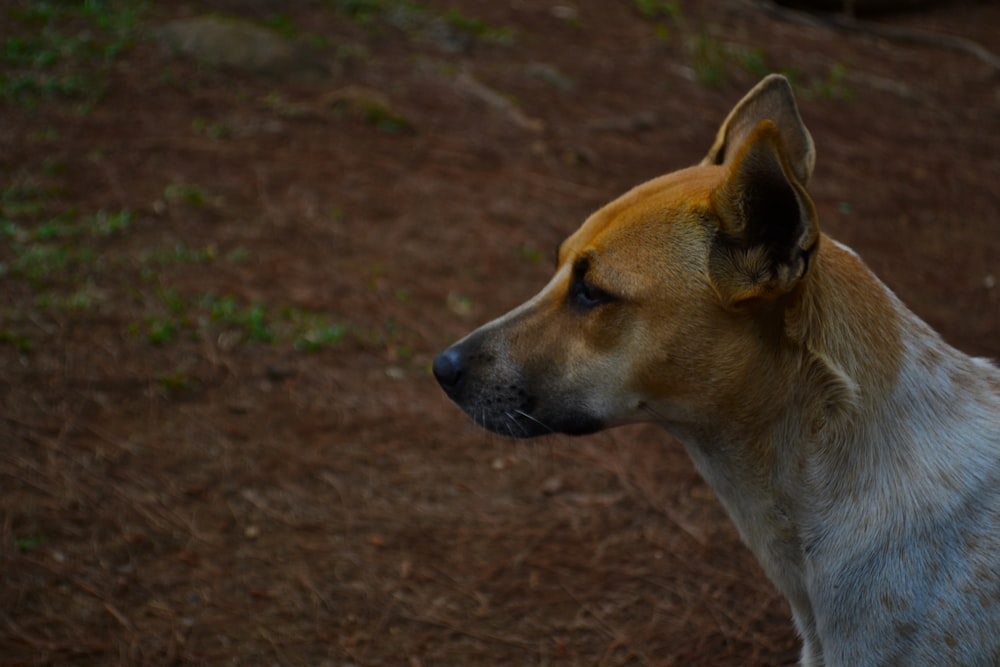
(520, 421)
(516, 422)
(505, 405)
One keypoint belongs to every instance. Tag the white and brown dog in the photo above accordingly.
(857, 453)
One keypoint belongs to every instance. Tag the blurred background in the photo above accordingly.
(234, 234)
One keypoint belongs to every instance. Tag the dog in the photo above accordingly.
(857, 453)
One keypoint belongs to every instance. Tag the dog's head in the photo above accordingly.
(665, 302)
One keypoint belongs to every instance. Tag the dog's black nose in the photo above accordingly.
(448, 368)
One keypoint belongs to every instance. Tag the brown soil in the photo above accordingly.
(181, 483)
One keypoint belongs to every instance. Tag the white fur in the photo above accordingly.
(883, 530)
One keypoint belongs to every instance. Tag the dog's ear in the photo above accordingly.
(771, 99)
(767, 227)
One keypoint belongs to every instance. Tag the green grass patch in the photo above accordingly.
(60, 49)
(283, 25)
(832, 87)
(175, 383)
(161, 331)
(10, 230)
(656, 10)
(104, 224)
(370, 107)
(185, 193)
(238, 256)
(311, 331)
(28, 543)
(228, 312)
(20, 342)
(180, 254)
(385, 119)
(215, 130)
(172, 318)
(711, 59)
(320, 337)
(38, 261)
(364, 11)
(79, 300)
(54, 248)
(476, 28)
(26, 199)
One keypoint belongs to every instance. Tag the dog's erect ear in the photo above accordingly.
(771, 99)
(767, 223)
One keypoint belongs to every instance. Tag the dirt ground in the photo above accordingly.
(221, 289)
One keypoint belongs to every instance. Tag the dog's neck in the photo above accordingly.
(902, 405)
(861, 411)
(849, 364)
(889, 389)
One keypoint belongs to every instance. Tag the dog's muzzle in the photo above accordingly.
(493, 396)
(498, 397)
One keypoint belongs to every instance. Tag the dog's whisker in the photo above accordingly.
(509, 424)
(524, 414)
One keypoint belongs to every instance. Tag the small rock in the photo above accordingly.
(550, 75)
(446, 38)
(225, 42)
(552, 485)
(565, 12)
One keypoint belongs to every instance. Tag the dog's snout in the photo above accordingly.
(448, 368)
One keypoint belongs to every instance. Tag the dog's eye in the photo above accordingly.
(582, 293)
(585, 296)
